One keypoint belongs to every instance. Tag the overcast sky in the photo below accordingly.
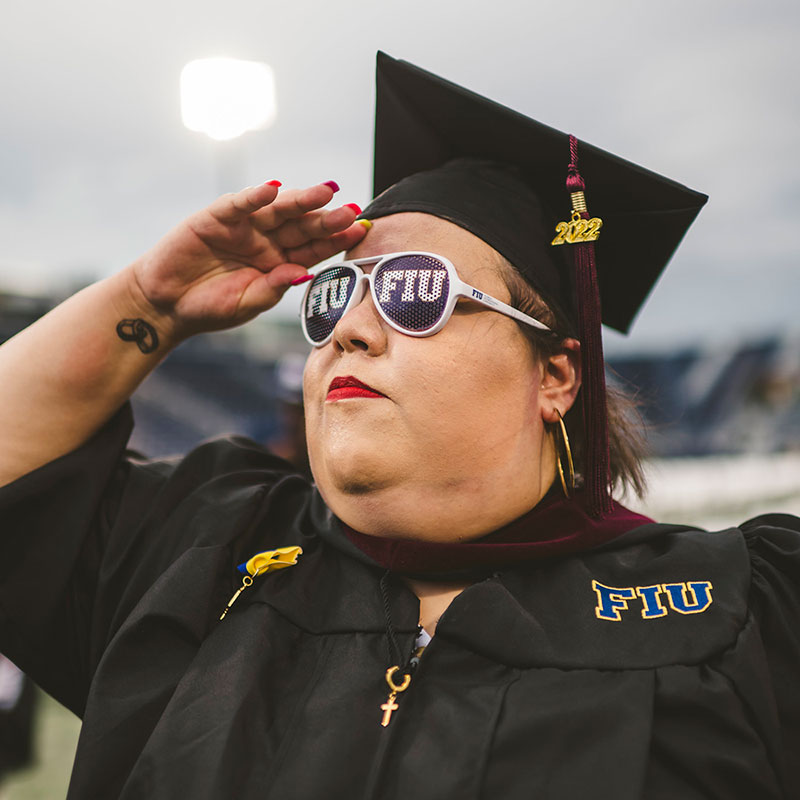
(96, 164)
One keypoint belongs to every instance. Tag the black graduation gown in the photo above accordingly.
(114, 573)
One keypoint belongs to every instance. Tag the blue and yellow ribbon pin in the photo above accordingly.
(260, 564)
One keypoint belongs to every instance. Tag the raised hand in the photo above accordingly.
(64, 376)
(234, 259)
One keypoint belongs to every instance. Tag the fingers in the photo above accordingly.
(314, 225)
(297, 204)
(316, 250)
(267, 290)
(270, 211)
(233, 207)
(270, 228)
(294, 203)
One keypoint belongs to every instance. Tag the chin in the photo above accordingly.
(350, 471)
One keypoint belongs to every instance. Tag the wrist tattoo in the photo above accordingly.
(139, 331)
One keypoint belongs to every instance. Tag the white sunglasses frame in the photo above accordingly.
(457, 289)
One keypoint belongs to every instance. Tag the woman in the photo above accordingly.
(576, 647)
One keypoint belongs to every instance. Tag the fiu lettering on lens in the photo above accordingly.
(331, 293)
(413, 285)
(428, 289)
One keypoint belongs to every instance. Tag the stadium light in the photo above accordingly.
(225, 97)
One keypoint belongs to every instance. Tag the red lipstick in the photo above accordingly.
(348, 386)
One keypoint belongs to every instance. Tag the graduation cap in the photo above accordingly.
(444, 150)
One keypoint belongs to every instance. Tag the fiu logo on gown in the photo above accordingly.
(690, 597)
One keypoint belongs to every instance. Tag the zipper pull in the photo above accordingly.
(389, 707)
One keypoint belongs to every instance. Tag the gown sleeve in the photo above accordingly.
(774, 544)
(85, 537)
(54, 521)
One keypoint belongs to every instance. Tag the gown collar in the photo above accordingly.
(556, 526)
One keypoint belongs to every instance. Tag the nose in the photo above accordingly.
(361, 329)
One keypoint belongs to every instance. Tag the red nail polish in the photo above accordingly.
(334, 186)
(302, 279)
(274, 183)
(354, 206)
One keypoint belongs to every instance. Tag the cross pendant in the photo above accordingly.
(388, 707)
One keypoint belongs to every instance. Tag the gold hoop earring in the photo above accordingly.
(570, 464)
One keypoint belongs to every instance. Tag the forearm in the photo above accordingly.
(65, 375)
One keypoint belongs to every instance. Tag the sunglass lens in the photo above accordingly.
(412, 291)
(327, 300)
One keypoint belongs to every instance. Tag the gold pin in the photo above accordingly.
(246, 581)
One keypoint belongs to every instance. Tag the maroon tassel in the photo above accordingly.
(595, 418)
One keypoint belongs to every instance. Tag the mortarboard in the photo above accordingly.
(447, 151)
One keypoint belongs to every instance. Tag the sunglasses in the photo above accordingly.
(414, 292)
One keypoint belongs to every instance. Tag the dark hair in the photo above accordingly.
(626, 431)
